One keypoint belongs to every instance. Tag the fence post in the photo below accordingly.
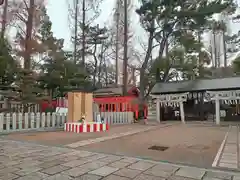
(48, 119)
(29, 108)
(32, 120)
(121, 118)
(58, 119)
(20, 121)
(65, 119)
(5, 103)
(53, 119)
(43, 120)
(38, 120)
(1, 121)
(110, 118)
(14, 121)
(126, 117)
(130, 117)
(115, 116)
(8, 118)
(62, 119)
(107, 117)
(26, 125)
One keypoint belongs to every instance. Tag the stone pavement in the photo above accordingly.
(228, 154)
(26, 161)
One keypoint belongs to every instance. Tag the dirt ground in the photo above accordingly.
(187, 144)
(63, 138)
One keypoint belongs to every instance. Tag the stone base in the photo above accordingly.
(86, 127)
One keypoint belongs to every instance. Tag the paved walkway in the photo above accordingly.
(26, 161)
(228, 153)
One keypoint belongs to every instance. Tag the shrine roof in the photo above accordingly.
(229, 83)
(112, 90)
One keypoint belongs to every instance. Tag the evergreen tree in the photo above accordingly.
(168, 20)
(58, 72)
(30, 16)
(9, 68)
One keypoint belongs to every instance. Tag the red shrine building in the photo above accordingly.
(111, 99)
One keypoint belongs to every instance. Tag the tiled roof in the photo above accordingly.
(197, 85)
(111, 90)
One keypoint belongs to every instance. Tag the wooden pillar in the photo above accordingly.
(158, 110)
(217, 109)
(182, 114)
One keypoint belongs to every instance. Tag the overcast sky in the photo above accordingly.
(58, 12)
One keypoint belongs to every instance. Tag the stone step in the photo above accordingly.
(152, 112)
(152, 117)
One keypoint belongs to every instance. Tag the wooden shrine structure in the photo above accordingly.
(218, 97)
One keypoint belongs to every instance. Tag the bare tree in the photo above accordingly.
(119, 26)
(82, 15)
(28, 14)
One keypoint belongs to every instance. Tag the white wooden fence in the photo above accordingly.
(17, 106)
(14, 122)
(11, 122)
(115, 117)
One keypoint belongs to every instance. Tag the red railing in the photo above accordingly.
(119, 104)
(105, 104)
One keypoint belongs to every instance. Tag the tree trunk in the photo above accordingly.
(117, 44)
(4, 18)
(27, 52)
(106, 72)
(83, 31)
(100, 66)
(224, 49)
(29, 27)
(125, 58)
(76, 31)
(214, 48)
(95, 64)
(95, 73)
(144, 65)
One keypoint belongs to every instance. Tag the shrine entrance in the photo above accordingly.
(212, 100)
(227, 105)
(232, 113)
(191, 103)
(175, 101)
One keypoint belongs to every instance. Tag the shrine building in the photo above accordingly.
(203, 99)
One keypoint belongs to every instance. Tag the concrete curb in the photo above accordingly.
(220, 150)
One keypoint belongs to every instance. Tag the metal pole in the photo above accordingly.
(125, 58)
